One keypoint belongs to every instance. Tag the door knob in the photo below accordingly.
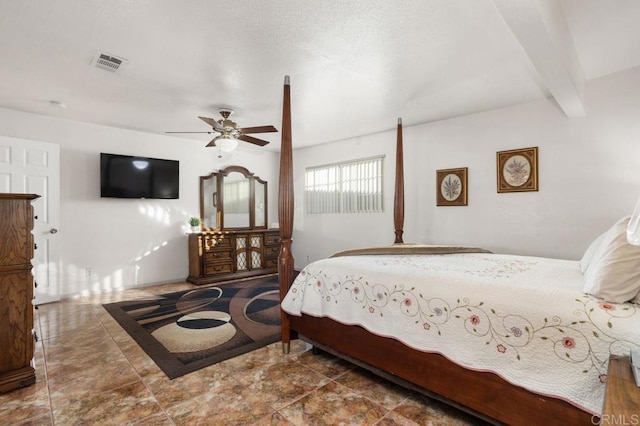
(53, 230)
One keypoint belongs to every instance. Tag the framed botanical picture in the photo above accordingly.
(517, 170)
(451, 187)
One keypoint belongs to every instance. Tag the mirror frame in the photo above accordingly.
(262, 182)
(203, 179)
(219, 198)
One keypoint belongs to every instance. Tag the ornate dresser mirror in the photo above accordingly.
(234, 241)
(233, 198)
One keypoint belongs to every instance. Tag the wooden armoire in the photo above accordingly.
(16, 291)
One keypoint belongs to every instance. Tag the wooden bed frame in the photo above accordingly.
(483, 394)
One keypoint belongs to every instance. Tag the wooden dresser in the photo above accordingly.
(16, 291)
(227, 255)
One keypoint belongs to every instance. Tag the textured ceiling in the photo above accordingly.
(355, 66)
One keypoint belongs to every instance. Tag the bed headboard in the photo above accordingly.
(285, 192)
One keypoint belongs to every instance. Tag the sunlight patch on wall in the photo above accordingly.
(157, 213)
(108, 284)
(148, 252)
(115, 281)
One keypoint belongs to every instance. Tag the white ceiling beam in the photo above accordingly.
(542, 31)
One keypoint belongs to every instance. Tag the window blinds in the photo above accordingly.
(348, 187)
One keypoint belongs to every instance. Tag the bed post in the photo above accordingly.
(285, 212)
(398, 203)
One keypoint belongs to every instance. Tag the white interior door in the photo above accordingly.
(33, 167)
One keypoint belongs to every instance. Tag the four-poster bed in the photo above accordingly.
(480, 392)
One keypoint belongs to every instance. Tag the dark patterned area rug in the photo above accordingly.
(189, 330)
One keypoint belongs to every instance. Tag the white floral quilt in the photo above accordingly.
(523, 318)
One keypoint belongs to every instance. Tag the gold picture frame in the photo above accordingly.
(517, 170)
(451, 187)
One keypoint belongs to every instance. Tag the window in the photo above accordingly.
(349, 187)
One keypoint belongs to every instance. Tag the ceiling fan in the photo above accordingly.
(230, 133)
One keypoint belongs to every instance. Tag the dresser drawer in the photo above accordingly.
(217, 256)
(270, 239)
(272, 251)
(271, 263)
(211, 243)
(218, 268)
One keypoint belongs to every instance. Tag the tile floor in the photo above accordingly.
(90, 372)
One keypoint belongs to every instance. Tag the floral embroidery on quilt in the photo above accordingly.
(572, 340)
(504, 268)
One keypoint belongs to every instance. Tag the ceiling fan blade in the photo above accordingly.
(252, 140)
(213, 123)
(213, 142)
(190, 132)
(258, 129)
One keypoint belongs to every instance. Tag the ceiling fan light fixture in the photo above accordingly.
(226, 144)
(230, 133)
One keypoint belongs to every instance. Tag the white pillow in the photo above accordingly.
(590, 253)
(614, 272)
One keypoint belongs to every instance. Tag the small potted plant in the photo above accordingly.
(195, 224)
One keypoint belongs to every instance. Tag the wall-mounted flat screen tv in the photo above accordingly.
(124, 176)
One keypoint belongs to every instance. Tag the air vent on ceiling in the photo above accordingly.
(109, 62)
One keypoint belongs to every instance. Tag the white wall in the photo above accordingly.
(126, 242)
(589, 176)
(318, 235)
